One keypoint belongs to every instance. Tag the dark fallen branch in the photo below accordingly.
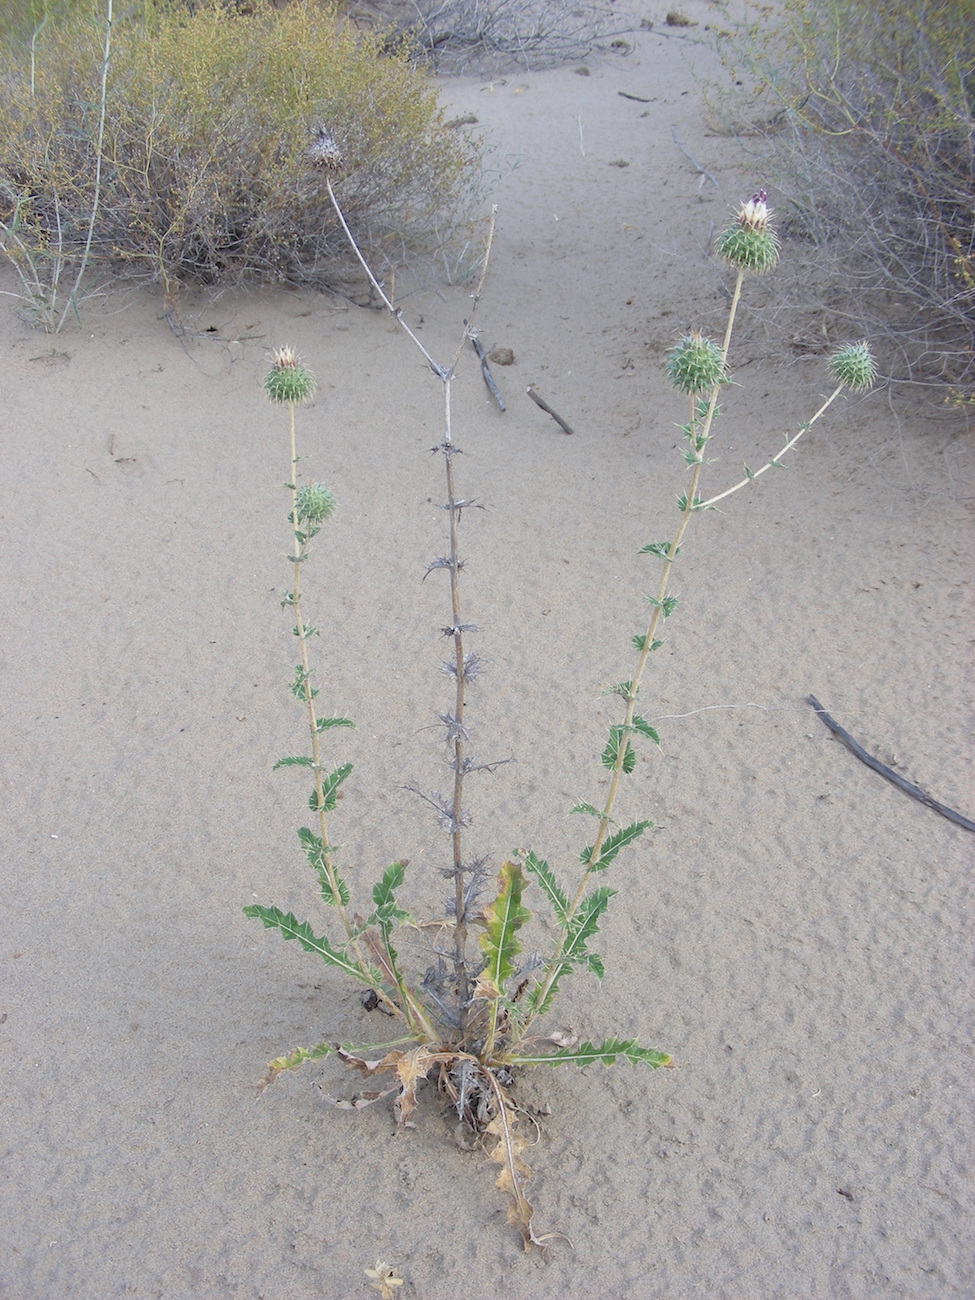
(486, 372)
(914, 791)
(540, 401)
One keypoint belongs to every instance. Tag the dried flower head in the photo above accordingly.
(749, 243)
(696, 365)
(288, 380)
(324, 152)
(854, 367)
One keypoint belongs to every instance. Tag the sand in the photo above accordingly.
(793, 932)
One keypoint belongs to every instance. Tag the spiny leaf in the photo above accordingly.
(583, 925)
(606, 1053)
(660, 549)
(324, 724)
(293, 1060)
(316, 852)
(666, 606)
(293, 762)
(383, 896)
(330, 785)
(543, 873)
(503, 919)
(611, 752)
(591, 809)
(643, 727)
(612, 845)
(585, 922)
(291, 928)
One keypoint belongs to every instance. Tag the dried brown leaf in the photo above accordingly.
(412, 1068)
(384, 1279)
(515, 1172)
(358, 1100)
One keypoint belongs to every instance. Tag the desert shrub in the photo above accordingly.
(877, 106)
(491, 35)
(205, 172)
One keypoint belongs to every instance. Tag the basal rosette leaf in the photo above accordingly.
(290, 928)
(502, 920)
(545, 876)
(606, 1053)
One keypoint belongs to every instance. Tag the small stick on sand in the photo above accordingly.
(540, 401)
(486, 372)
(907, 786)
(702, 171)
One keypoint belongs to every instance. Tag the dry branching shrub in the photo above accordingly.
(875, 107)
(488, 36)
(206, 173)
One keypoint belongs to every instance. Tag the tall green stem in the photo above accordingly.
(699, 435)
(410, 1010)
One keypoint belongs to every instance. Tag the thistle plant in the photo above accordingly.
(472, 1018)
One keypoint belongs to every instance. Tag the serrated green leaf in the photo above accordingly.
(623, 689)
(293, 762)
(543, 873)
(298, 680)
(749, 474)
(290, 928)
(585, 922)
(503, 919)
(660, 549)
(610, 754)
(643, 727)
(315, 851)
(595, 964)
(583, 925)
(591, 810)
(299, 1056)
(666, 606)
(330, 785)
(387, 909)
(606, 1053)
(324, 724)
(612, 845)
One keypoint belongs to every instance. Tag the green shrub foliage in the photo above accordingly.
(205, 167)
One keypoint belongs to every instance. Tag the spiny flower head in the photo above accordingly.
(696, 365)
(313, 503)
(288, 380)
(749, 243)
(854, 367)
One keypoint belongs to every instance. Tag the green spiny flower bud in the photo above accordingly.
(696, 365)
(750, 243)
(313, 503)
(854, 366)
(288, 380)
